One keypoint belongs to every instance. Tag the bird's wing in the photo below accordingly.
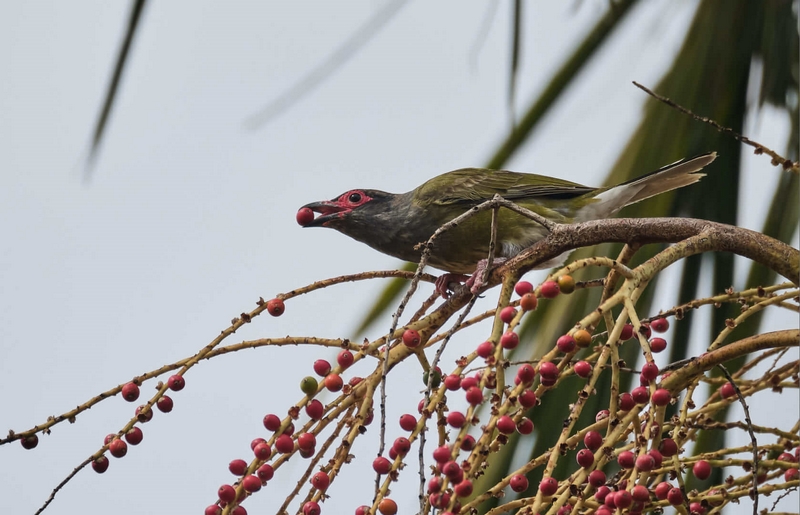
(475, 185)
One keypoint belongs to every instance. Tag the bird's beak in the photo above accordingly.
(328, 210)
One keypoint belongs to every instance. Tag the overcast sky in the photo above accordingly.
(189, 217)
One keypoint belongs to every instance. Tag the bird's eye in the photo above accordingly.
(354, 198)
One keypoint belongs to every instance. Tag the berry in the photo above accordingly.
(526, 373)
(311, 508)
(668, 447)
(640, 493)
(306, 441)
(130, 392)
(627, 332)
(309, 385)
(251, 483)
(452, 382)
(661, 397)
(645, 463)
(434, 376)
(386, 507)
(363, 510)
(333, 382)
(134, 436)
(727, 391)
(451, 469)
(566, 284)
(601, 415)
(696, 508)
(176, 382)
(640, 395)
(463, 489)
(507, 314)
(675, 496)
(315, 409)
(785, 456)
(657, 457)
(381, 465)
(549, 289)
(509, 340)
(469, 382)
(284, 444)
(304, 216)
(226, 493)
(144, 414)
(322, 367)
(597, 478)
(321, 481)
(506, 425)
(592, 440)
(265, 472)
(474, 396)
(272, 422)
(408, 422)
(582, 369)
(29, 442)
(468, 443)
(548, 486)
(401, 445)
(118, 448)
(548, 370)
(485, 349)
(623, 499)
(276, 307)
(100, 465)
(565, 343)
(626, 402)
(528, 302)
(345, 358)
(626, 459)
(411, 338)
(518, 483)
(658, 344)
(441, 454)
(525, 426)
(583, 338)
(649, 371)
(660, 325)
(791, 474)
(701, 470)
(239, 510)
(523, 287)
(213, 509)
(262, 451)
(456, 419)
(602, 492)
(237, 467)
(585, 458)
(165, 404)
(662, 489)
(527, 399)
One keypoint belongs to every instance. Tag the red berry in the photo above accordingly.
(441, 454)
(518, 483)
(626, 459)
(321, 481)
(528, 302)
(507, 314)
(306, 441)
(451, 469)
(548, 370)
(791, 474)
(645, 463)
(214, 509)
(509, 340)
(239, 510)
(265, 472)
(276, 307)
(626, 402)
(468, 443)
(363, 510)
(675, 496)
(456, 419)
(226, 493)
(315, 409)
(322, 367)
(144, 414)
(485, 349)
(668, 447)
(251, 483)
(662, 489)
(463, 489)
(237, 467)
(661, 397)
(526, 373)
(660, 325)
(272, 422)
(585, 458)
(118, 448)
(381, 465)
(696, 508)
(262, 451)
(452, 382)
(623, 499)
(601, 415)
(506, 425)
(165, 404)
(176, 383)
(333, 382)
(549, 289)
(29, 442)
(548, 486)
(627, 332)
(701, 470)
(525, 426)
(304, 216)
(649, 371)
(727, 391)
(527, 399)
(658, 344)
(565, 343)
(785, 456)
(602, 492)
(345, 358)
(640, 394)
(284, 444)
(100, 465)
(592, 440)
(134, 436)
(311, 508)
(408, 422)
(474, 396)
(582, 369)
(130, 392)
(644, 329)
(657, 457)
(640, 493)
(401, 445)
(523, 287)
(597, 478)
(411, 338)
(469, 382)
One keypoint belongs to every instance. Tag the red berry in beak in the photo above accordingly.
(304, 216)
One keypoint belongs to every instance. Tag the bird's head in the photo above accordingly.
(351, 208)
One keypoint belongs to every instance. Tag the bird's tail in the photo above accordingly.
(667, 178)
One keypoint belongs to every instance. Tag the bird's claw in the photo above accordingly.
(443, 282)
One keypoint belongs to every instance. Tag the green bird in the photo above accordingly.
(396, 223)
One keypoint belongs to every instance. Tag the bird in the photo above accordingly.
(395, 224)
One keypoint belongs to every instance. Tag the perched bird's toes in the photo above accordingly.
(443, 282)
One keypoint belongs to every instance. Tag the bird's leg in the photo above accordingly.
(443, 283)
(475, 282)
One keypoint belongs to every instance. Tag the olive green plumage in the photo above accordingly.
(395, 223)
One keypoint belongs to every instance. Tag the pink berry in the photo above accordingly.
(276, 307)
(518, 483)
(701, 470)
(507, 314)
(548, 370)
(485, 349)
(226, 493)
(582, 369)
(548, 486)
(785, 456)
(506, 425)
(321, 481)
(668, 447)
(239, 510)
(401, 445)
(322, 367)
(509, 340)
(623, 499)
(644, 329)
(727, 391)
(527, 399)
(134, 436)
(649, 371)
(265, 472)
(306, 441)
(345, 358)
(661, 397)
(601, 415)
(463, 489)
(284, 444)
(597, 478)
(304, 216)
(118, 448)
(176, 383)
(213, 509)
(452, 382)
(474, 396)
(645, 463)
(791, 474)
(657, 457)
(144, 414)
(311, 508)
(640, 394)
(585, 458)
(626, 459)
(272, 422)
(675, 496)
(165, 404)
(662, 489)
(658, 344)
(451, 469)
(549, 289)
(408, 422)
(660, 325)
(627, 332)
(411, 338)
(526, 373)
(525, 426)
(100, 465)
(251, 483)
(315, 409)
(696, 508)
(469, 382)
(602, 491)
(565, 343)
(523, 287)
(381, 465)
(468, 443)
(237, 467)
(262, 451)
(441, 454)
(592, 440)
(435, 484)
(640, 493)
(130, 392)
(626, 402)
(456, 419)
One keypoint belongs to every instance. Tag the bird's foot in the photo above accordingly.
(443, 283)
(475, 282)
